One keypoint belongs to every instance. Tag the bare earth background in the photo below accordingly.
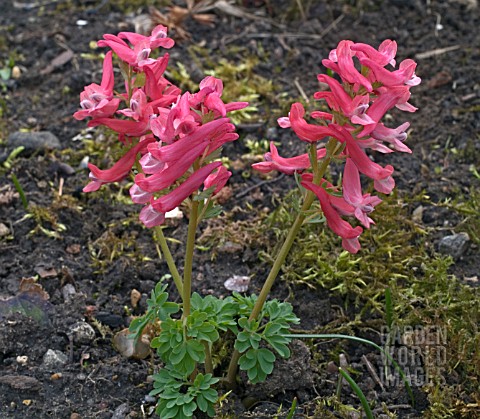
(87, 253)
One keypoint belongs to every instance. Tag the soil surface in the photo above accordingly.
(87, 253)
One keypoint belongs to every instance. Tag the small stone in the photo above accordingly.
(332, 368)
(73, 249)
(68, 291)
(34, 141)
(230, 247)
(121, 411)
(21, 382)
(82, 333)
(135, 297)
(417, 214)
(237, 283)
(454, 245)
(4, 230)
(75, 416)
(54, 360)
(22, 359)
(127, 346)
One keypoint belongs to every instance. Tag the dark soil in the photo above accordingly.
(92, 253)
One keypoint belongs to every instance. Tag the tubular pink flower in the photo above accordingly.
(122, 126)
(208, 98)
(338, 225)
(138, 195)
(374, 144)
(158, 88)
(138, 105)
(385, 54)
(179, 148)
(180, 121)
(273, 161)
(383, 103)
(404, 75)
(150, 164)
(171, 172)
(142, 46)
(218, 179)
(120, 47)
(396, 136)
(340, 100)
(382, 176)
(150, 217)
(345, 67)
(352, 193)
(307, 132)
(97, 101)
(118, 171)
(173, 199)
(158, 38)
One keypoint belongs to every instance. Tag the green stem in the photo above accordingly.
(169, 259)
(282, 254)
(208, 358)
(187, 270)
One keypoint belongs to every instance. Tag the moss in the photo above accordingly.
(396, 253)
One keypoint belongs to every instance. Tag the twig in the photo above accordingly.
(300, 89)
(435, 52)
(257, 185)
(292, 35)
(372, 372)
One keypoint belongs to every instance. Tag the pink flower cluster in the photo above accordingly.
(171, 134)
(367, 90)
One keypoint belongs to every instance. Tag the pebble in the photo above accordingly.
(4, 230)
(34, 141)
(121, 411)
(22, 359)
(454, 245)
(237, 283)
(127, 346)
(21, 382)
(82, 333)
(54, 360)
(68, 291)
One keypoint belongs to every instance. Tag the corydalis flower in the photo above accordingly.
(171, 134)
(97, 100)
(357, 104)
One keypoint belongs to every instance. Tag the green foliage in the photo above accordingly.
(180, 397)
(255, 360)
(158, 308)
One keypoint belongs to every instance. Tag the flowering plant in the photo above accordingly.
(173, 141)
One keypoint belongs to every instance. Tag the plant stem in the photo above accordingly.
(282, 254)
(169, 259)
(208, 358)
(187, 270)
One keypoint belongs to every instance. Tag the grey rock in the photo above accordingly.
(121, 411)
(68, 291)
(54, 360)
(4, 230)
(454, 245)
(21, 382)
(34, 141)
(82, 333)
